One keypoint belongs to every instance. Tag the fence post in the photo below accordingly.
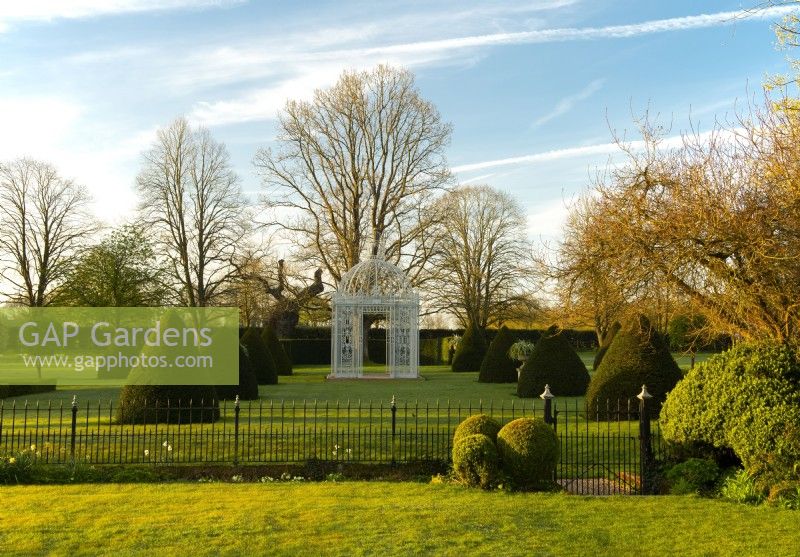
(394, 426)
(236, 431)
(548, 397)
(74, 427)
(645, 443)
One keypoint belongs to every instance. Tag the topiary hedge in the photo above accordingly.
(476, 462)
(283, 365)
(7, 391)
(479, 423)
(247, 388)
(528, 449)
(638, 356)
(149, 404)
(746, 400)
(260, 357)
(553, 362)
(607, 340)
(470, 351)
(497, 367)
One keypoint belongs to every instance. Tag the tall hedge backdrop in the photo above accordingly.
(312, 345)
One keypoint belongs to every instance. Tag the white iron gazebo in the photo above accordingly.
(375, 287)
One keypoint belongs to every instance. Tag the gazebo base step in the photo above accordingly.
(372, 377)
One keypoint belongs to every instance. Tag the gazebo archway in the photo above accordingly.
(375, 286)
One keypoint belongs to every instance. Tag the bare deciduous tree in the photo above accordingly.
(481, 269)
(43, 224)
(192, 201)
(356, 164)
(715, 221)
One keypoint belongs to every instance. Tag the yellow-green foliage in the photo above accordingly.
(475, 461)
(607, 340)
(528, 450)
(479, 423)
(746, 399)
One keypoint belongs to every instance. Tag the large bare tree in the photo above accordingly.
(356, 164)
(481, 270)
(191, 200)
(44, 222)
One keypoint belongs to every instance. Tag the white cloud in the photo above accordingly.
(547, 219)
(35, 124)
(610, 148)
(555, 154)
(307, 67)
(52, 130)
(49, 10)
(565, 105)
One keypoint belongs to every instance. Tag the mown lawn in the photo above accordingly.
(358, 518)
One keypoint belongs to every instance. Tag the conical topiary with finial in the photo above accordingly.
(639, 355)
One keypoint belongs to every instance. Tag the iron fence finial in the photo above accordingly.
(644, 394)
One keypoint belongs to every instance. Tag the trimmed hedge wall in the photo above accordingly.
(312, 346)
(7, 391)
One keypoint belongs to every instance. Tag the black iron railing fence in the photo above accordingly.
(608, 452)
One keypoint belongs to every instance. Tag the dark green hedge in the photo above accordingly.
(638, 355)
(497, 367)
(149, 404)
(312, 346)
(247, 389)
(260, 358)
(553, 362)
(8, 391)
(470, 351)
(283, 364)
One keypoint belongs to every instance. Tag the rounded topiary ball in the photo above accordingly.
(528, 449)
(477, 424)
(475, 461)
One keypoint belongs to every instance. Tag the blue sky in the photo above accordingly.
(531, 88)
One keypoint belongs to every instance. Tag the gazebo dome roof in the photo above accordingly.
(374, 277)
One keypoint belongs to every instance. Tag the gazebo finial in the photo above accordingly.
(376, 247)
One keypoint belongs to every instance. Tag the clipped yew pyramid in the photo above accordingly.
(260, 358)
(553, 362)
(607, 340)
(283, 364)
(247, 389)
(639, 355)
(497, 367)
(470, 351)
